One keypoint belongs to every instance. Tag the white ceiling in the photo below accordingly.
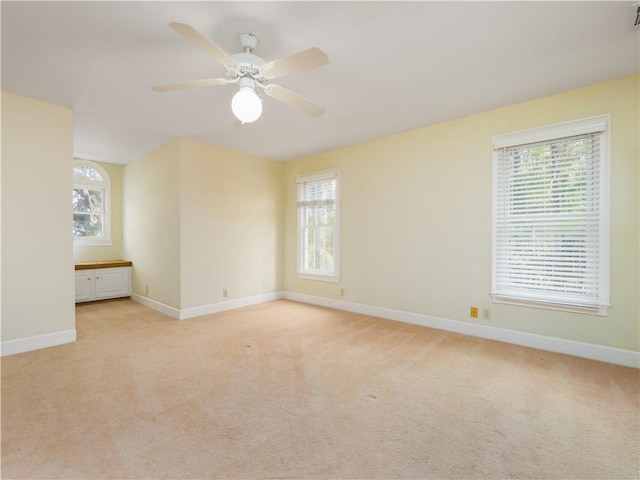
(394, 66)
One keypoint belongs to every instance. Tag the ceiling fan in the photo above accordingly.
(250, 71)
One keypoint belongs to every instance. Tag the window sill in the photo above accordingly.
(598, 311)
(92, 243)
(321, 278)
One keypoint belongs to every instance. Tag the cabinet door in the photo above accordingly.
(113, 282)
(84, 285)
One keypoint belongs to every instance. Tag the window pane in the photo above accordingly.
(86, 171)
(319, 237)
(86, 225)
(86, 200)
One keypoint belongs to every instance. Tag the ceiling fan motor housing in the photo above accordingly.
(248, 64)
(248, 41)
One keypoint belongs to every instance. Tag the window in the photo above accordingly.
(318, 226)
(91, 204)
(551, 217)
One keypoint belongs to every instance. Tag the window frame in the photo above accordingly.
(305, 273)
(558, 131)
(105, 186)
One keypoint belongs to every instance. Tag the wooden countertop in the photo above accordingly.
(109, 264)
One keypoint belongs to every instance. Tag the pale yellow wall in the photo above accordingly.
(151, 223)
(200, 219)
(114, 251)
(230, 224)
(37, 253)
(416, 218)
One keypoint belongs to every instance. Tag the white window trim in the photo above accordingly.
(105, 185)
(334, 276)
(600, 123)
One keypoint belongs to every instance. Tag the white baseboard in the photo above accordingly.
(192, 312)
(36, 342)
(157, 306)
(601, 353)
(228, 305)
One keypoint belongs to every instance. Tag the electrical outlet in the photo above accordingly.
(473, 312)
(486, 314)
(146, 290)
(342, 292)
(225, 293)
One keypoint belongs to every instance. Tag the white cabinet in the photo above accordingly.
(101, 283)
(113, 282)
(85, 285)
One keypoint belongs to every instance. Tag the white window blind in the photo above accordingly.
(550, 222)
(318, 225)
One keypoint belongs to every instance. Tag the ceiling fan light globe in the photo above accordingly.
(246, 105)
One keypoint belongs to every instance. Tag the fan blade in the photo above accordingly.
(196, 38)
(294, 100)
(314, 57)
(209, 82)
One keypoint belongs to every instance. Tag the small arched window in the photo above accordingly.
(91, 204)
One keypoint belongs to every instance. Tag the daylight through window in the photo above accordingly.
(318, 226)
(550, 222)
(91, 213)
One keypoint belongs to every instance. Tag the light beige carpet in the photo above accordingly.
(293, 391)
